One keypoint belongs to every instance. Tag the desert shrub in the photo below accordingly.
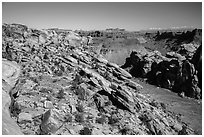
(89, 118)
(85, 131)
(113, 119)
(80, 93)
(60, 94)
(80, 108)
(101, 120)
(68, 117)
(76, 82)
(163, 105)
(46, 90)
(127, 131)
(78, 79)
(154, 103)
(15, 109)
(183, 131)
(79, 117)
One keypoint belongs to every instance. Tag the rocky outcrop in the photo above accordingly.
(180, 37)
(139, 63)
(197, 61)
(171, 39)
(173, 72)
(65, 88)
(188, 50)
(51, 121)
(10, 74)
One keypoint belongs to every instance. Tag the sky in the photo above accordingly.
(131, 16)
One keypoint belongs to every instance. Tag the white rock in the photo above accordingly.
(25, 117)
(6, 101)
(177, 126)
(10, 72)
(48, 104)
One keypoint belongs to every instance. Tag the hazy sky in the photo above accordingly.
(89, 16)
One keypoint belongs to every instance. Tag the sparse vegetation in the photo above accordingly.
(68, 117)
(85, 131)
(101, 120)
(113, 119)
(80, 92)
(80, 108)
(79, 117)
(61, 94)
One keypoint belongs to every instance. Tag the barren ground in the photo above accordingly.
(190, 110)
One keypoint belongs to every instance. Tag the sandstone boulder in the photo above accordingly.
(11, 71)
(51, 121)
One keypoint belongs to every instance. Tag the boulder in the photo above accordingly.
(24, 117)
(48, 104)
(189, 82)
(11, 71)
(51, 121)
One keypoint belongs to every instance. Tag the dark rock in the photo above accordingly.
(85, 131)
(140, 62)
(51, 122)
(173, 73)
(197, 61)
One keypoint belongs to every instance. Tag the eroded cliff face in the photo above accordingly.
(64, 87)
(171, 40)
(174, 71)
